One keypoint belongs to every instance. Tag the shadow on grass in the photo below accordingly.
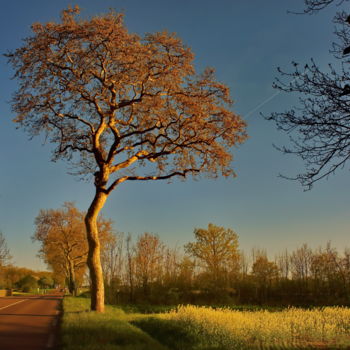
(101, 331)
(105, 335)
(101, 337)
(172, 334)
(175, 336)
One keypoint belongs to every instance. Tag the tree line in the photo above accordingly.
(212, 269)
(26, 280)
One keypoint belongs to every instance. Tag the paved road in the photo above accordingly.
(29, 323)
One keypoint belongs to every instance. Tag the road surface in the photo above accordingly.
(29, 323)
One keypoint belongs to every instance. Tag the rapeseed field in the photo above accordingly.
(324, 328)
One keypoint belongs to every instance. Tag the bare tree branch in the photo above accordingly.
(319, 126)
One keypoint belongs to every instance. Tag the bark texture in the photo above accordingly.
(71, 278)
(94, 260)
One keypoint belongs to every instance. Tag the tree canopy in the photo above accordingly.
(117, 100)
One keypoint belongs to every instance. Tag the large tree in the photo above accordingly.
(122, 108)
(320, 125)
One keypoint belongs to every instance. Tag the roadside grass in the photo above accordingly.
(33, 292)
(82, 329)
(175, 335)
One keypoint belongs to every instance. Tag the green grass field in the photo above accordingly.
(203, 328)
(112, 330)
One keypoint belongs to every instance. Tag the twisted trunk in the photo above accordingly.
(93, 260)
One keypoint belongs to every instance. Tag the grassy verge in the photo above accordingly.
(34, 292)
(86, 330)
(175, 335)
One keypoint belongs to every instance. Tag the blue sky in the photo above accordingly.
(245, 41)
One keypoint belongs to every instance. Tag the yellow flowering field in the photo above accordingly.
(323, 328)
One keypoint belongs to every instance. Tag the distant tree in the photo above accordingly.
(300, 263)
(130, 267)
(28, 283)
(12, 274)
(329, 276)
(112, 265)
(283, 263)
(4, 251)
(216, 248)
(320, 125)
(121, 108)
(64, 247)
(186, 273)
(45, 282)
(346, 271)
(257, 253)
(148, 260)
(112, 256)
(170, 266)
(346, 262)
(243, 263)
(265, 272)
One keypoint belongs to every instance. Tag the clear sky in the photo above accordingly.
(245, 41)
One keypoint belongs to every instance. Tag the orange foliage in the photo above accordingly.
(119, 100)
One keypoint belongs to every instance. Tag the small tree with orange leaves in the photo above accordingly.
(122, 108)
(62, 235)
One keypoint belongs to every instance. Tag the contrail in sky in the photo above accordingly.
(270, 98)
(261, 104)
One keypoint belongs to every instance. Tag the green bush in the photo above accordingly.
(27, 284)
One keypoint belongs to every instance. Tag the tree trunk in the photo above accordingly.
(93, 260)
(130, 270)
(71, 279)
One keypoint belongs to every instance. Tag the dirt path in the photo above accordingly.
(29, 323)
